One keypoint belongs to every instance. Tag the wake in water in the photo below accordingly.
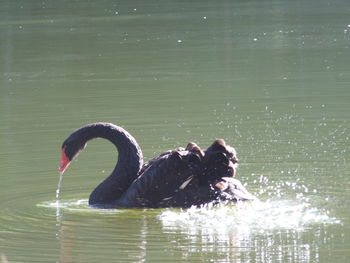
(246, 217)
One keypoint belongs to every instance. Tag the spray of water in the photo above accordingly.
(245, 218)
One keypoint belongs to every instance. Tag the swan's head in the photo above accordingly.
(220, 161)
(71, 148)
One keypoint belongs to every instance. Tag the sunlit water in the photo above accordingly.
(270, 77)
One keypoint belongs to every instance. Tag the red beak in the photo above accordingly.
(64, 163)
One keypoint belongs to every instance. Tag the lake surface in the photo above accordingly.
(270, 77)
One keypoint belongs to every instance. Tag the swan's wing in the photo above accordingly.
(162, 156)
(229, 189)
(190, 197)
(161, 179)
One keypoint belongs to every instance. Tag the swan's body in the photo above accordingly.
(178, 178)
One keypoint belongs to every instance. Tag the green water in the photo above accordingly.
(270, 77)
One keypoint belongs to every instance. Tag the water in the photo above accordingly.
(59, 186)
(270, 77)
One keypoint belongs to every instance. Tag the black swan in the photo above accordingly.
(178, 178)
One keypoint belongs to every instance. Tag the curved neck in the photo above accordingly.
(128, 165)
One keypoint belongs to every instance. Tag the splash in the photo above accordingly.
(246, 218)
